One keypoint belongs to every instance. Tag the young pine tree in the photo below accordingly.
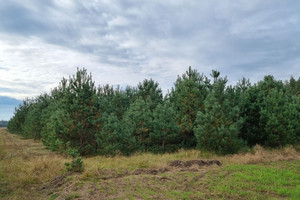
(188, 96)
(114, 138)
(165, 133)
(217, 126)
(138, 122)
(280, 119)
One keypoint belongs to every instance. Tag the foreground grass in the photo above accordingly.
(275, 180)
(27, 168)
(279, 180)
(24, 166)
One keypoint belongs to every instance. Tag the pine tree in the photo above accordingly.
(165, 133)
(217, 126)
(188, 96)
(280, 119)
(54, 119)
(55, 128)
(253, 130)
(138, 121)
(293, 86)
(114, 139)
(16, 124)
(114, 101)
(73, 116)
(80, 99)
(150, 90)
(32, 125)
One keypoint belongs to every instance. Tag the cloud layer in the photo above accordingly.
(123, 42)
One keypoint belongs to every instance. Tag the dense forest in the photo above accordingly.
(199, 112)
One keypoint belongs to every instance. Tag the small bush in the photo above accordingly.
(72, 152)
(76, 165)
(77, 162)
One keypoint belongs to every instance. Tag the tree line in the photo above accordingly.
(3, 123)
(199, 112)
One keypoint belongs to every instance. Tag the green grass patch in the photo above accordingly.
(72, 196)
(54, 196)
(260, 181)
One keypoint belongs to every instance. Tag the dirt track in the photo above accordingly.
(17, 147)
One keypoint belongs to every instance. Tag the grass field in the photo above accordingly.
(29, 171)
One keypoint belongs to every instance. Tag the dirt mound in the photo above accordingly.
(149, 171)
(112, 174)
(56, 182)
(190, 163)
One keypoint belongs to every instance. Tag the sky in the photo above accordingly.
(123, 42)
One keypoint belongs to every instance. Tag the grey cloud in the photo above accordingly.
(160, 39)
(18, 19)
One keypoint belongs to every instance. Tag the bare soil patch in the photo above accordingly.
(190, 163)
(56, 182)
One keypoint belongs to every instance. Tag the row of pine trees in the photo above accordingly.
(199, 112)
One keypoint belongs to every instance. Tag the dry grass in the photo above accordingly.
(25, 166)
(139, 161)
(147, 160)
(261, 155)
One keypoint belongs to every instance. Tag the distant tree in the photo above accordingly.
(32, 125)
(293, 86)
(3, 123)
(16, 123)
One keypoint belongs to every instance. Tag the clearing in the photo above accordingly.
(29, 171)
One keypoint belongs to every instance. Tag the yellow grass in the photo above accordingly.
(25, 165)
(138, 161)
(147, 160)
(261, 155)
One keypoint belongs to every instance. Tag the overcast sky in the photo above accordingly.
(124, 42)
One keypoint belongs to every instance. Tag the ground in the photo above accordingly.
(29, 171)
